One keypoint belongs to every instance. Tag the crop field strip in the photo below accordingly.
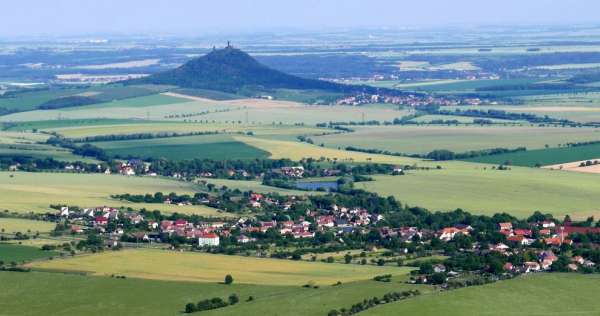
(34, 192)
(200, 267)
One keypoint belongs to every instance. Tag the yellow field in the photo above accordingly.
(201, 267)
(34, 192)
(298, 150)
(14, 225)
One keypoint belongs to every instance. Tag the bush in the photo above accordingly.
(228, 279)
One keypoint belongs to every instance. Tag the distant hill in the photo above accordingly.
(234, 71)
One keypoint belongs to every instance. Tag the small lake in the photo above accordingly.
(315, 185)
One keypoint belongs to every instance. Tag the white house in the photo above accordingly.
(209, 239)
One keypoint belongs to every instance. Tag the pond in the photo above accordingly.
(315, 185)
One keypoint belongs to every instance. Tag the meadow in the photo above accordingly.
(539, 294)
(216, 147)
(202, 267)
(34, 192)
(423, 139)
(16, 253)
(14, 225)
(481, 190)
(62, 296)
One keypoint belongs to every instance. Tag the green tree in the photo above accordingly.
(233, 299)
(190, 308)
(228, 279)
(348, 258)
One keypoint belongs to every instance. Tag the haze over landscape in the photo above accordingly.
(299, 157)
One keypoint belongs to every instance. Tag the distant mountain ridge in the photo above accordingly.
(232, 70)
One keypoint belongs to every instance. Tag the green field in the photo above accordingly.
(423, 139)
(217, 147)
(25, 192)
(540, 294)
(62, 295)
(520, 191)
(202, 267)
(14, 225)
(16, 253)
(543, 157)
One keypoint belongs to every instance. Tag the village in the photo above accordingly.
(535, 247)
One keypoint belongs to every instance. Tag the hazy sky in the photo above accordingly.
(62, 17)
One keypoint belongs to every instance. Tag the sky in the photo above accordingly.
(183, 17)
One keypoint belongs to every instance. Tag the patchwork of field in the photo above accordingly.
(15, 225)
(202, 267)
(176, 106)
(423, 139)
(540, 294)
(481, 190)
(217, 147)
(542, 157)
(34, 192)
(62, 296)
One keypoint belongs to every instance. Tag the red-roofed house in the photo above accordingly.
(523, 232)
(209, 239)
(505, 226)
(100, 221)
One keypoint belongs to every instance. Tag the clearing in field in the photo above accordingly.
(577, 166)
(423, 139)
(15, 225)
(61, 295)
(202, 267)
(34, 192)
(481, 190)
(540, 294)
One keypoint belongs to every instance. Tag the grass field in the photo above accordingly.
(201, 267)
(17, 253)
(541, 294)
(34, 192)
(543, 157)
(217, 147)
(423, 139)
(519, 191)
(62, 295)
(14, 225)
